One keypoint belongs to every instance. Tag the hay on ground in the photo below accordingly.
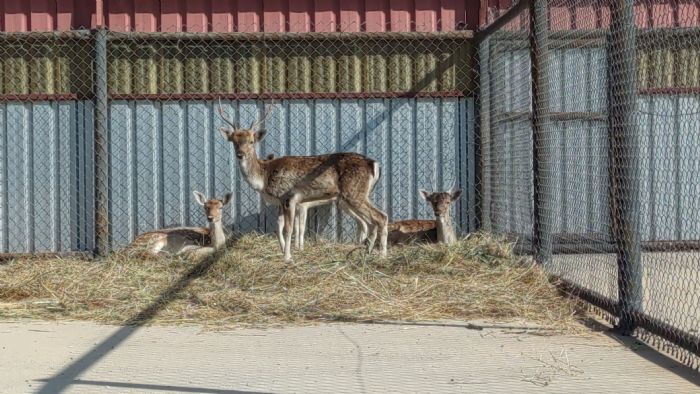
(249, 284)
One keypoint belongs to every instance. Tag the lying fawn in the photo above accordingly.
(431, 231)
(196, 241)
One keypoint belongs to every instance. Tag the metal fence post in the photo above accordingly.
(483, 140)
(541, 155)
(624, 184)
(101, 159)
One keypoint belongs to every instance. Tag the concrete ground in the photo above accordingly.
(80, 357)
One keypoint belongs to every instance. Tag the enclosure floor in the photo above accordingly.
(88, 358)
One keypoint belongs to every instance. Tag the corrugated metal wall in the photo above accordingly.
(46, 167)
(241, 15)
(161, 151)
(669, 151)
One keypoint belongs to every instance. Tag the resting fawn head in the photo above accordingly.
(243, 139)
(441, 201)
(212, 207)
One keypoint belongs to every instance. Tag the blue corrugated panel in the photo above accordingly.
(161, 151)
(45, 204)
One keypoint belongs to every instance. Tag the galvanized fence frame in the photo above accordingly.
(526, 27)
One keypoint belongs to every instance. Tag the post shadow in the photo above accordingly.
(67, 375)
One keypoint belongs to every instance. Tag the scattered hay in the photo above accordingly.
(249, 284)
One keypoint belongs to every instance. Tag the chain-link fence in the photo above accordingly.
(590, 153)
(107, 134)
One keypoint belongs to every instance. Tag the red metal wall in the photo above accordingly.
(239, 15)
(593, 14)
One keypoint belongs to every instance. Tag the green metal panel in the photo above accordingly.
(375, 70)
(221, 71)
(448, 76)
(661, 68)
(62, 70)
(687, 67)
(643, 69)
(146, 70)
(119, 69)
(171, 71)
(400, 68)
(324, 74)
(299, 70)
(16, 71)
(303, 66)
(2, 69)
(349, 73)
(464, 73)
(248, 69)
(41, 70)
(275, 69)
(196, 71)
(425, 73)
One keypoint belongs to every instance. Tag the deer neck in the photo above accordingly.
(445, 231)
(216, 234)
(253, 171)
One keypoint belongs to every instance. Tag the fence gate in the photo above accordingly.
(590, 147)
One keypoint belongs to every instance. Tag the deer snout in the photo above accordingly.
(239, 155)
(210, 218)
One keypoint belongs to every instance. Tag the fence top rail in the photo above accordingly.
(258, 36)
(43, 35)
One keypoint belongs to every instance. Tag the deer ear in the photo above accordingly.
(456, 194)
(425, 194)
(199, 197)
(260, 135)
(226, 133)
(227, 198)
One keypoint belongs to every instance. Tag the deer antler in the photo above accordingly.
(223, 116)
(432, 183)
(255, 124)
(452, 186)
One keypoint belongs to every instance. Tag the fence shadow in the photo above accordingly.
(158, 387)
(68, 375)
(646, 352)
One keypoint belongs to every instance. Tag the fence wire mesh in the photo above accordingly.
(403, 99)
(105, 135)
(597, 174)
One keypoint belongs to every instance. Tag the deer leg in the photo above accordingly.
(301, 216)
(359, 208)
(361, 229)
(297, 226)
(380, 224)
(289, 208)
(280, 227)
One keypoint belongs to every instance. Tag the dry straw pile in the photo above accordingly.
(248, 284)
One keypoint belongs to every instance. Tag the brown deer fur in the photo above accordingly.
(197, 241)
(431, 231)
(301, 216)
(290, 180)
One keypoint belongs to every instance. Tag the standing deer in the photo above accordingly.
(301, 216)
(432, 231)
(197, 241)
(290, 180)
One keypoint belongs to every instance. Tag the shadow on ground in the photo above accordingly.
(67, 376)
